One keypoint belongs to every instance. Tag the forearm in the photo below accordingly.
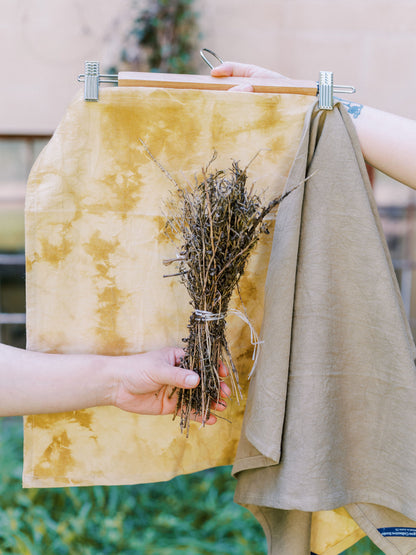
(35, 383)
(388, 142)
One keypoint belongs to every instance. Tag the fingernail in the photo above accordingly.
(191, 380)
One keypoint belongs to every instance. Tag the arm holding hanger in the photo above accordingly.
(388, 141)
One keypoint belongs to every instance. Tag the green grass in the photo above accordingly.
(190, 515)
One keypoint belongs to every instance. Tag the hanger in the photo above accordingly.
(324, 88)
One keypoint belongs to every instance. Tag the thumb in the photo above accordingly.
(178, 377)
(189, 379)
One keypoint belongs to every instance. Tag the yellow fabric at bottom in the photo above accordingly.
(332, 532)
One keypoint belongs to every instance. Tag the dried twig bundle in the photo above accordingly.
(219, 221)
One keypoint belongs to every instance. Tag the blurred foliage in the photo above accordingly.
(190, 515)
(363, 547)
(162, 37)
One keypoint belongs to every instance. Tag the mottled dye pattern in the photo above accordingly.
(95, 246)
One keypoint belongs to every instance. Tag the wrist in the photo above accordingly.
(106, 380)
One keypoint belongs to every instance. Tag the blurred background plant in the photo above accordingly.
(162, 38)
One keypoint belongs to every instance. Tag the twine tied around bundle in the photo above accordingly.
(207, 316)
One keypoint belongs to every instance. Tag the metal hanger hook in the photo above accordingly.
(212, 54)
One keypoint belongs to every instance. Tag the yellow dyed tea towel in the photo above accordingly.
(95, 244)
(331, 412)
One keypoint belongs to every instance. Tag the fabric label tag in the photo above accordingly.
(398, 532)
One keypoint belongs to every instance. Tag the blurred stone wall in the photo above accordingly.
(43, 46)
(370, 44)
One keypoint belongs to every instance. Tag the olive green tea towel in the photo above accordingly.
(330, 419)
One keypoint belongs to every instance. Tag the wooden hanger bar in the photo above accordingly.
(206, 82)
(324, 89)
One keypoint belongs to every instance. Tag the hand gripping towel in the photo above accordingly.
(330, 420)
(95, 246)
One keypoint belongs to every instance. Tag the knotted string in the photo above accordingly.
(207, 316)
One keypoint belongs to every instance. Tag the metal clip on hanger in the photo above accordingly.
(92, 79)
(325, 90)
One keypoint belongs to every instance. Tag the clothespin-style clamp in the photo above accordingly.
(326, 89)
(92, 79)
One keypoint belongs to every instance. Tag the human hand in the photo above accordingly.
(235, 69)
(145, 382)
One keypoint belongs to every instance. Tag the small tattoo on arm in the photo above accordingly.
(353, 108)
